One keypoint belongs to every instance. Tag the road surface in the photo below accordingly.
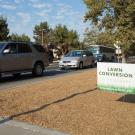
(51, 72)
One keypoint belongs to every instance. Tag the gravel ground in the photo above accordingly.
(71, 104)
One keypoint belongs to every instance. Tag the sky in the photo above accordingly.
(23, 15)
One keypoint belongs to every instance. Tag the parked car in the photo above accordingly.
(102, 53)
(77, 59)
(19, 57)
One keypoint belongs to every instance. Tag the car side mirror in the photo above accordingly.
(6, 51)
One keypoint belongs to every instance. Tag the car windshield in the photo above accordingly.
(94, 50)
(1, 45)
(74, 54)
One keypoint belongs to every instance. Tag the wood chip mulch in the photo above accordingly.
(71, 104)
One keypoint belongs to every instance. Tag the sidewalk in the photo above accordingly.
(11, 127)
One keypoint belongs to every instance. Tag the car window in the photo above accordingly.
(24, 48)
(39, 48)
(84, 53)
(74, 54)
(94, 50)
(1, 45)
(11, 48)
(89, 53)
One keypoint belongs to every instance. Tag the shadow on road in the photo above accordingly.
(129, 98)
(29, 76)
(46, 105)
(52, 70)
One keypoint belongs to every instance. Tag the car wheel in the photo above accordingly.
(62, 68)
(81, 65)
(38, 69)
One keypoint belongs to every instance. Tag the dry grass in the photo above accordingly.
(70, 104)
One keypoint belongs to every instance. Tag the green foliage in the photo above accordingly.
(59, 36)
(117, 19)
(64, 36)
(91, 36)
(106, 38)
(94, 36)
(16, 37)
(95, 9)
(73, 39)
(4, 31)
(42, 31)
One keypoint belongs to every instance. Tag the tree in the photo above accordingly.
(62, 36)
(42, 33)
(73, 39)
(106, 38)
(117, 19)
(4, 31)
(91, 36)
(22, 38)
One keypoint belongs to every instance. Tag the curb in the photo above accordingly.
(30, 127)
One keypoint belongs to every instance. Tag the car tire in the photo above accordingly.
(62, 68)
(81, 65)
(38, 69)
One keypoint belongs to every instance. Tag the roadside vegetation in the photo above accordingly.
(70, 104)
(59, 37)
(113, 21)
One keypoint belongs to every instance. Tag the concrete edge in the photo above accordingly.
(29, 126)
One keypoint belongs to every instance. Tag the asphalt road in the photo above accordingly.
(51, 72)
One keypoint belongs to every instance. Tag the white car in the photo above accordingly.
(77, 59)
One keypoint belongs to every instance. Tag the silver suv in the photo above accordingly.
(20, 57)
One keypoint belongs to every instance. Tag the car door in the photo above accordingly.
(89, 56)
(9, 60)
(84, 58)
(25, 56)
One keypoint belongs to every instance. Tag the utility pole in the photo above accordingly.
(44, 31)
(42, 36)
